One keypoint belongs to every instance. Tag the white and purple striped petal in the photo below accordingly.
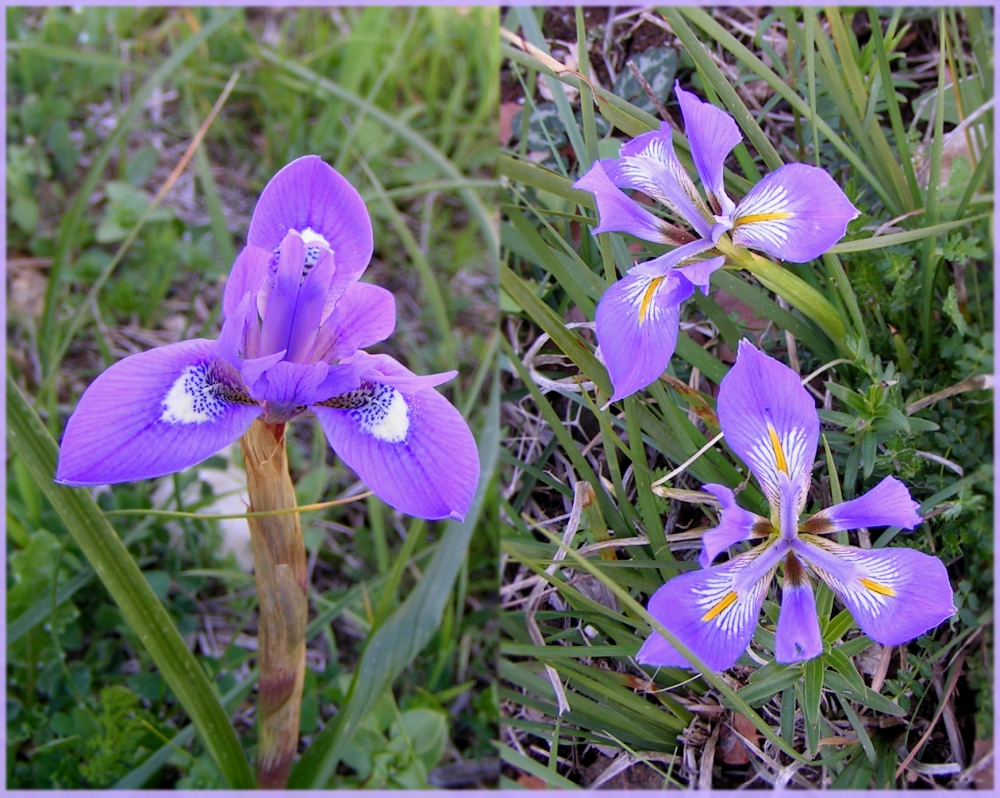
(637, 318)
(404, 440)
(712, 611)
(619, 214)
(769, 421)
(155, 413)
(894, 595)
(647, 163)
(795, 213)
(313, 199)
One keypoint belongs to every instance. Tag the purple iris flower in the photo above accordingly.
(296, 323)
(771, 423)
(795, 213)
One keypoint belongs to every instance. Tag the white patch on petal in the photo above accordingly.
(192, 398)
(878, 572)
(748, 588)
(641, 295)
(384, 414)
(763, 216)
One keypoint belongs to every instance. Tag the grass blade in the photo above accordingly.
(141, 608)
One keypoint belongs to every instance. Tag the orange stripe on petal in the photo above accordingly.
(779, 453)
(647, 298)
(761, 217)
(876, 587)
(727, 600)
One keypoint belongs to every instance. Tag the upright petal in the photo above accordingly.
(364, 315)
(769, 421)
(619, 214)
(887, 504)
(795, 213)
(406, 442)
(154, 413)
(648, 164)
(797, 637)
(309, 308)
(248, 275)
(713, 133)
(280, 314)
(307, 194)
(735, 525)
(713, 611)
(894, 595)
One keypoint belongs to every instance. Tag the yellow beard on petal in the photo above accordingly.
(778, 452)
(875, 587)
(761, 217)
(727, 600)
(647, 298)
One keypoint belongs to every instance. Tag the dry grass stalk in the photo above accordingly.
(280, 568)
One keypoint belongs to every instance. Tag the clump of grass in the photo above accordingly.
(110, 253)
(903, 391)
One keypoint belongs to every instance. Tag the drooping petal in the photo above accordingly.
(637, 334)
(154, 413)
(713, 133)
(795, 213)
(248, 275)
(887, 504)
(648, 164)
(619, 214)
(364, 315)
(713, 611)
(735, 525)
(797, 637)
(409, 445)
(894, 595)
(637, 318)
(769, 421)
(307, 194)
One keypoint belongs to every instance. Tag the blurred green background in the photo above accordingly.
(102, 104)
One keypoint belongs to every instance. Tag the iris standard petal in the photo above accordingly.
(795, 213)
(309, 307)
(364, 315)
(769, 420)
(713, 133)
(797, 637)
(887, 504)
(307, 194)
(619, 214)
(712, 611)
(154, 413)
(410, 447)
(280, 313)
(648, 164)
(895, 595)
(248, 275)
(735, 525)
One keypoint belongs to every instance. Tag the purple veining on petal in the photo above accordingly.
(795, 213)
(307, 194)
(713, 133)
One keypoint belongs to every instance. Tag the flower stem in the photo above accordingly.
(280, 569)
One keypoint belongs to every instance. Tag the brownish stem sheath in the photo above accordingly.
(280, 567)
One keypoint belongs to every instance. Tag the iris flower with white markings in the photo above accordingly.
(771, 423)
(296, 322)
(795, 213)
